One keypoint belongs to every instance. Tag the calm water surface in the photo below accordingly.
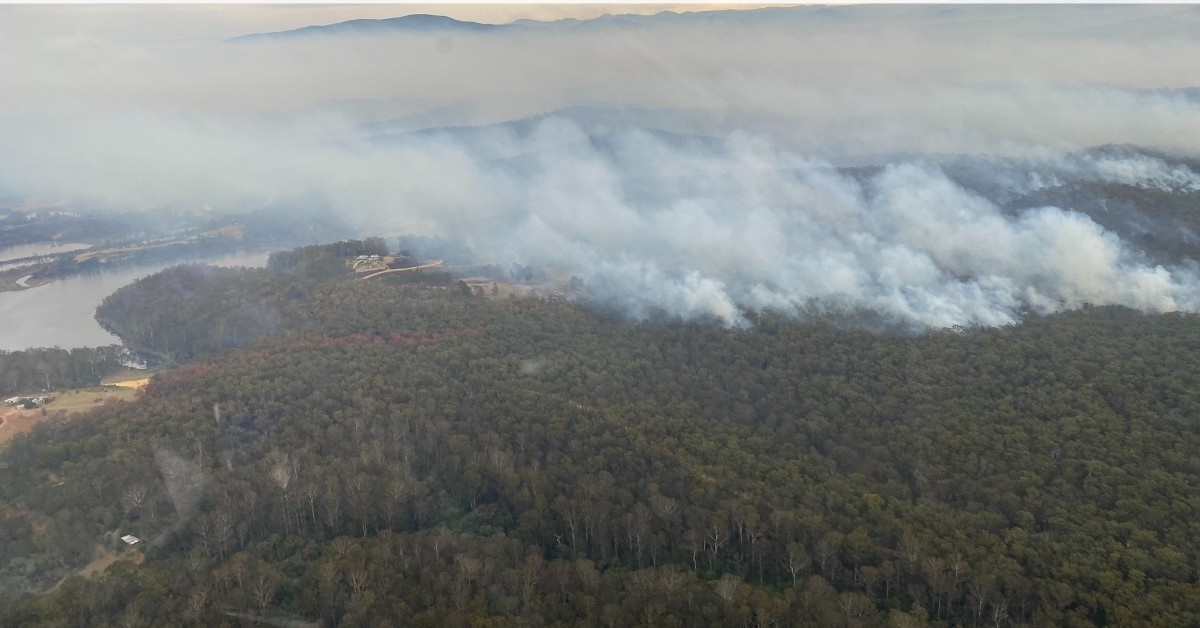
(19, 251)
(61, 313)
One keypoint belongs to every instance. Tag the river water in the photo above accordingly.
(61, 313)
(19, 251)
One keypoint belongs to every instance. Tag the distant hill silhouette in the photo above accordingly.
(418, 23)
(1140, 23)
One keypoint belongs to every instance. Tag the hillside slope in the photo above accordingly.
(403, 451)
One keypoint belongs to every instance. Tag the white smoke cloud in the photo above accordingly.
(749, 226)
(688, 225)
(1143, 171)
(655, 224)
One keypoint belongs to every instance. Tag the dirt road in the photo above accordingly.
(400, 270)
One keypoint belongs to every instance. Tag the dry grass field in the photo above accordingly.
(15, 421)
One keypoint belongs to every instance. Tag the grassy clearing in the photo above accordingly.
(125, 375)
(128, 378)
(88, 398)
(67, 404)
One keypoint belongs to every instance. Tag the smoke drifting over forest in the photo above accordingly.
(692, 165)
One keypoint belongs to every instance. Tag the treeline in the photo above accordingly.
(418, 456)
(49, 368)
(215, 309)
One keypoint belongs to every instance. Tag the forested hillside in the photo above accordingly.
(401, 452)
(195, 310)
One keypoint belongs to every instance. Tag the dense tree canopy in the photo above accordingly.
(48, 368)
(401, 451)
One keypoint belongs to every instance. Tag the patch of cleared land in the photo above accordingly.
(15, 421)
(503, 288)
(124, 374)
(136, 384)
(128, 378)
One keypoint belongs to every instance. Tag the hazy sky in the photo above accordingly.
(870, 79)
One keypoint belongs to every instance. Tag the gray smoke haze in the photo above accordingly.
(678, 165)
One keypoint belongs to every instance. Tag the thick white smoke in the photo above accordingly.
(732, 204)
(690, 228)
(654, 226)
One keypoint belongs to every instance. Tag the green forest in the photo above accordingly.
(402, 452)
(51, 368)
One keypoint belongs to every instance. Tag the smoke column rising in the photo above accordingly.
(710, 233)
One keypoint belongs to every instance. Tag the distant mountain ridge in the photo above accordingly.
(416, 23)
(427, 23)
(1140, 22)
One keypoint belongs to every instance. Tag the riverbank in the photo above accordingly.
(23, 278)
(61, 312)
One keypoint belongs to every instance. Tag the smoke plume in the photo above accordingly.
(687, 165)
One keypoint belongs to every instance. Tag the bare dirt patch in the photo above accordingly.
(135, 384)
(128, 378)
(17, 421)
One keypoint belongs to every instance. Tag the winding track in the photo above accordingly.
(400, 270)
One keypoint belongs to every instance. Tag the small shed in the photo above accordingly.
(131, 539)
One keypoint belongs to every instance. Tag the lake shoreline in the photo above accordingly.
(61, 312)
